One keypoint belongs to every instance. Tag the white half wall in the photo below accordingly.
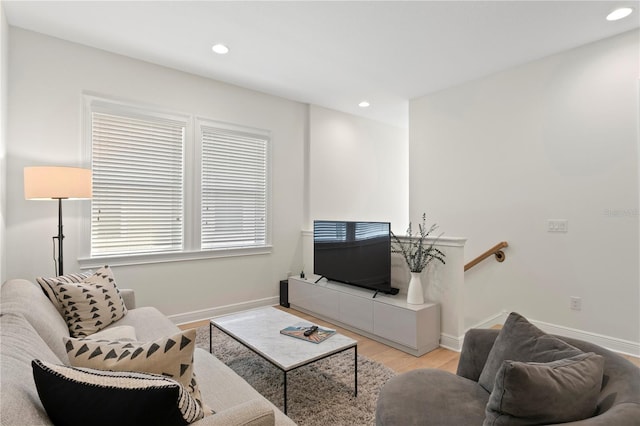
(557, 138)
(47, 78)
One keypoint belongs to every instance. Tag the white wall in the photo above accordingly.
(557, 138)
(357, 170)
(4, 54)
(47, 77)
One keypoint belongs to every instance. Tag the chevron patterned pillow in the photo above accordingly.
(91, 304)
(49, 285)
(169, 356)
(78, 396)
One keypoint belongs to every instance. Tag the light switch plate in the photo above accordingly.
(558, 225)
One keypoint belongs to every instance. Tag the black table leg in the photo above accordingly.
(285, 392)
(210, 337)
(355, 370)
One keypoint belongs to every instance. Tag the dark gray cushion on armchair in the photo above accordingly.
(534, 393)
(519, 340)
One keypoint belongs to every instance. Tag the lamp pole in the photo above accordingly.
(60, 237)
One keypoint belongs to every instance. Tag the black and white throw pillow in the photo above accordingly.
(49, 285)
(170, 356)
(78, 396)
(91, 304)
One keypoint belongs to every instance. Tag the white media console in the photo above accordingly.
(414, 329)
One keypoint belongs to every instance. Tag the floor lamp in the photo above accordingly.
(57, 183)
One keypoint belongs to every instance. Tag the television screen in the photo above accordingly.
(356, 253)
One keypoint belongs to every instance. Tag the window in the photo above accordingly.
(137, 204)
(234, 187)
(161, 192)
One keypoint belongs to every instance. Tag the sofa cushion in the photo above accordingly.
(254, 412)
(222, 389)
(519, 340)
(561, 391)
(430, 397)
(73, 396)
(170, 356)
(121, 333)
(92, 304)
(49, 285)
(149, 323)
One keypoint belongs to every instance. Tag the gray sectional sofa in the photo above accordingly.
(430, 397)
(31, 328)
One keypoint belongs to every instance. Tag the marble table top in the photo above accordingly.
(259, 329)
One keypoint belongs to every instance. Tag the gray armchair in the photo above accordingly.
(435, 397)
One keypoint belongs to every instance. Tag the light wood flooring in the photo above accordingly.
(396, 360)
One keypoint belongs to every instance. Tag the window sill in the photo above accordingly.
(184, 256)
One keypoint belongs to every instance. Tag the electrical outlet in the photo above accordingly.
(575, 303)
(557, 225)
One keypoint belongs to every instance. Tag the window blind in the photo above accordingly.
(137, 204)
(234, 188)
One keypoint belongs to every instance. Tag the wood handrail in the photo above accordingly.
(495, 250)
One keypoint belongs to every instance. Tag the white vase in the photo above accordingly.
(415, 296)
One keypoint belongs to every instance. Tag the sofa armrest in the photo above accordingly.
(256, 412)
(475, 350)
(129, 297)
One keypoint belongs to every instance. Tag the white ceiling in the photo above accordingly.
(332, 54)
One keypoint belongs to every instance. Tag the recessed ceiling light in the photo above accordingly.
(364, 104)
(220, 49)
(621, 12)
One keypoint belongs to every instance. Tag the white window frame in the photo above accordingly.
(192, 188)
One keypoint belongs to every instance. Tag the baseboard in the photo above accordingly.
(612, 343)
(451, 342)
(489, 322)
(204, 314)
(454, 343)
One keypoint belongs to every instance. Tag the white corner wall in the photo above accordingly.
(557, 138)
(4, 60)
(357, 170)
(47, 77)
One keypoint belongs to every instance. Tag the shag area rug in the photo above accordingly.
(320, 393)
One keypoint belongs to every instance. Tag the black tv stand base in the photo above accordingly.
(393, 292)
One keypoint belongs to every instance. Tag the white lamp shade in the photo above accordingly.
(56, 182)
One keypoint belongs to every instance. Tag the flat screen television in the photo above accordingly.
(355, 253)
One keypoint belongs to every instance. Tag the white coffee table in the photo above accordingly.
(259, 330)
